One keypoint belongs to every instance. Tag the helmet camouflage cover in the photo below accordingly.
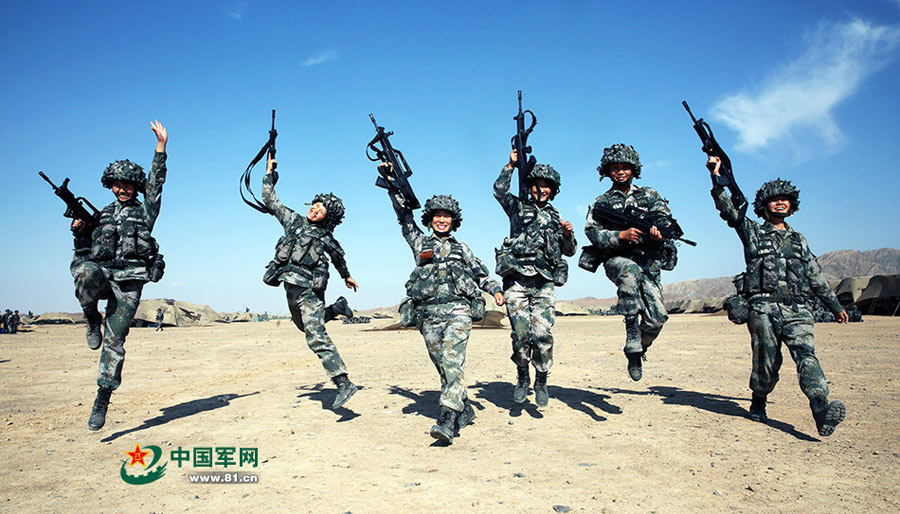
(772, 189)
(620, 153)
(124, 171)
(442, 203)
(334, 209)
(546, 172)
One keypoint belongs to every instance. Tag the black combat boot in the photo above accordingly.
(541, 395)
(346, 389)
(98, 413)
(827, 415)
(521, 390)
(443, 429)
(634, 365)
(94, 336)
(339, 306)
(758, 408)
(466, 417)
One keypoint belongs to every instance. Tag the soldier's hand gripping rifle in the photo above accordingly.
(75, 206)
(268, 148)
(642, 220)
(711, 147)
(395, 177)
(524, 162)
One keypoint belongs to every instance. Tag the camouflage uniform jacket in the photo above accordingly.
(302, 252)
(646, 253)
(536, 243)
(446, 269)
(780, 266)
(121, 242)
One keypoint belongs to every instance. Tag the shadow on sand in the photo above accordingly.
(500, 394)
(318, 393)
(718, 404)
(182, 410)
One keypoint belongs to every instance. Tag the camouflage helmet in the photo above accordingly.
(334, 209)
(620, 153)
(772, 189)
(546, 172)
(124, 171)
(442, 203)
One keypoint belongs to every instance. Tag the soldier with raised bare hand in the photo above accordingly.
(632, 259)
(114, 261)
(443, 299)
(301, 264)
(531, 263)
(782, 275)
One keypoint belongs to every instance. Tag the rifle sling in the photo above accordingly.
(256, 204)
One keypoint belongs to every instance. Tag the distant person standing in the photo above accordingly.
(301, 264)
(632, 258)
(159, 319)
(4, 320)
(113, 261)
(14, 321)
(782, 276)
(531, 263)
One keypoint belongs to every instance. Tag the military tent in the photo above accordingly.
(876, 294)
(175, 313)
(59, 318)
(235, 317)
(569, 309)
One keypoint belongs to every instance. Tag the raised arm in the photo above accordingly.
(154, 186)
(507, 200)
(411, 232)
(284, 214)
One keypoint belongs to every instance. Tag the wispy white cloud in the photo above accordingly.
(236, 10)
(321, 57)
(797, 101)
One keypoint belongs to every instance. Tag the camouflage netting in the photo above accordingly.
(546, 172)
(124, 171)
(620, 153)
(334, 208)
(772, 189)
(442, 203)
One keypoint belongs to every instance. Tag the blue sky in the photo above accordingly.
(803, 90)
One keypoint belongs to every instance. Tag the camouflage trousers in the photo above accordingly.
(445, 328)
(640, 293)
(530, 305)
(92, 284)
(771, 324)
(307, 308)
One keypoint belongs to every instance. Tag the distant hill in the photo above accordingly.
(836, 265)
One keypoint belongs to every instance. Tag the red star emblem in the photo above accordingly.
(137, 456)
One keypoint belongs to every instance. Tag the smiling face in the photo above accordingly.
(442, 221)
(124, 191)
(620, 172)
(317, 212)
(540, 190)
(779, 206)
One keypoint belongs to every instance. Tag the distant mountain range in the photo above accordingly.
(836, 265)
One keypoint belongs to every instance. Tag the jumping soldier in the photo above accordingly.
(781, 278)
(114, 261)
(531, 264)
(632, 259)
(443, 299)
(301, 263)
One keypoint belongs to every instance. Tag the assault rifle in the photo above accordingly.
(711, 147)
(268, 148)
(75, 205)
(642, 220)
(524, 162)
(394, 178)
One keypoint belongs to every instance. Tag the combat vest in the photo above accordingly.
(438, 279)
(655, 254)
(776, 265)
(122, 241)
(301, 257)
(535, 246)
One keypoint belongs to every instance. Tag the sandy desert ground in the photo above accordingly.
(678, 441)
